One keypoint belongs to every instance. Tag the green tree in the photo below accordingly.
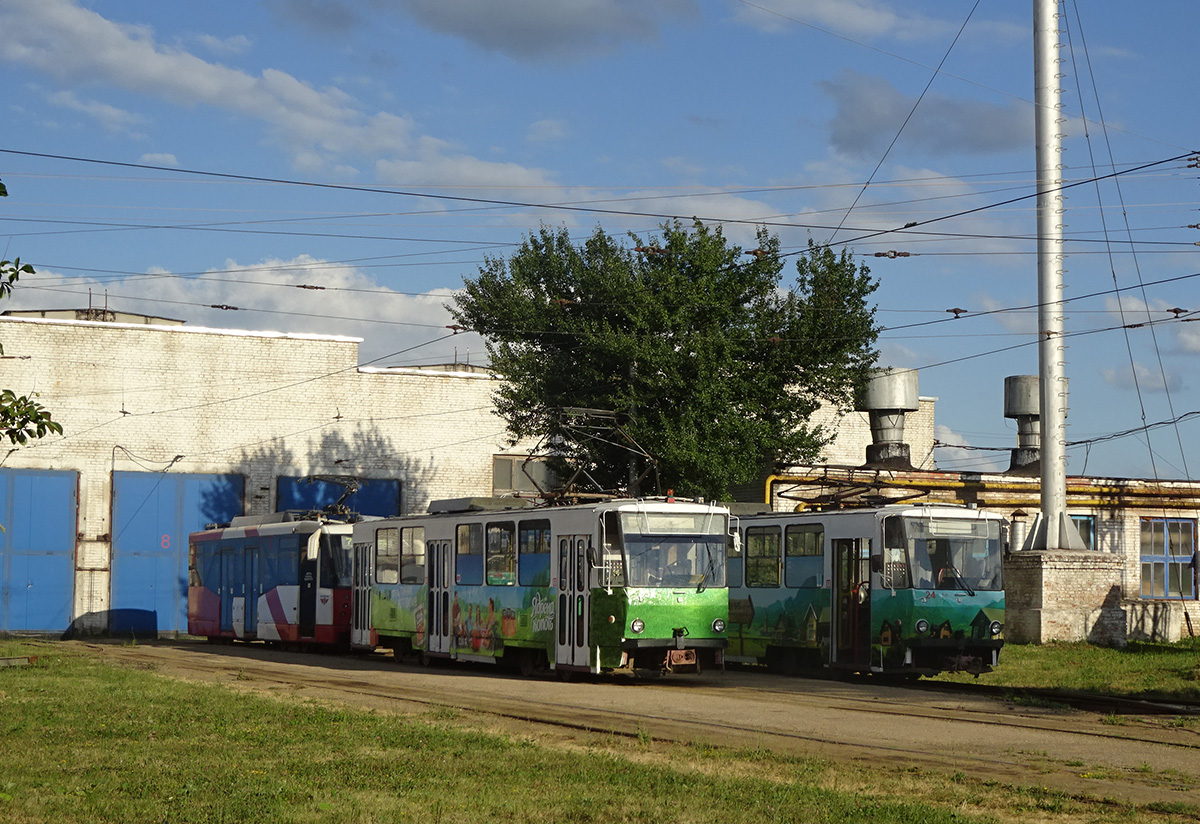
(711, 367)
(21, 417)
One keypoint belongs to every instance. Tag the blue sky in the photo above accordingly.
(440, 132)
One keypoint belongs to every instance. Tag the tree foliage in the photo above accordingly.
(712, 368)
(21, 417)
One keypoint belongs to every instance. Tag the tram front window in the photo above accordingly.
(953, 554)
(673, 550)
(674, 561)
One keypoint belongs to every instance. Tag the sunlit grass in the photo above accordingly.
(1140, 670)
(88, 741)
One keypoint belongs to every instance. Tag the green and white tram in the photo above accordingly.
(635, 585)
(899, 589)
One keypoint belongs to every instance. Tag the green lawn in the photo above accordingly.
(85, 741)
(1141, 670)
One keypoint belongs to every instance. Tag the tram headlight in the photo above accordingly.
(638, 625)
(922, 626)
(995, 627)
(718, 625)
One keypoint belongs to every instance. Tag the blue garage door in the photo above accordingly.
(153, 512)
(37, 549)
(374, 496)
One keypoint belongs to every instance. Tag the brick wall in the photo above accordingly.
(1064, 596)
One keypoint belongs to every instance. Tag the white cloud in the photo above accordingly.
(546, 130)
(1020, 321)
(318, 127)
(110, 118)
(951, 457)
(267, 297)
(159, 159)
(1127, 308)
(237, 44)
(866, 19)
(1189, 337)
(1142, 378)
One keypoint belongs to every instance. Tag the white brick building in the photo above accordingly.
(151, 408)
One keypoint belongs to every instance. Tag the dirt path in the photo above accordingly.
(1142, 760)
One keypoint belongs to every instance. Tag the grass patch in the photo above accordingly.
(86, 741)
(1142, 669)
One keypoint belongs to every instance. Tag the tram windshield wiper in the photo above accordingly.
(711, 569)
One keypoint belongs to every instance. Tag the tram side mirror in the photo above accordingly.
(877, 563)
(593, 558)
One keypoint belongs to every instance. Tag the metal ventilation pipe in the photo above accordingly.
(887, 396)
(1022, 402)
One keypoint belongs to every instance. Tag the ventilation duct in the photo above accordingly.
(1022, 402)
(888, 395)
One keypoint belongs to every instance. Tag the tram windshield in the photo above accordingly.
(942, 553)
(335, 559)
(664, 549)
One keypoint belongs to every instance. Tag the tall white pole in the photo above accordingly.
(1054, 529)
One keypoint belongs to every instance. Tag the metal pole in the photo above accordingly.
(1054, 529)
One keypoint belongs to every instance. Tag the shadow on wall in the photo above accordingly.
(1154, 620)
(1110, 623)
(367, 454)
(120, 623)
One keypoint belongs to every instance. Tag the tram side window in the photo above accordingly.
(468, 557)
(287, 567)
(412, 555)
(803, 558)
(895, 554)
(387, 555)
(762, 556)
(533, 553)
(612, 573)
(501, 555)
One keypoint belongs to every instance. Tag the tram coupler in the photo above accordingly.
(681, 660)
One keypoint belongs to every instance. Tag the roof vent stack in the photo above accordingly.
(887, 396)
(1022, 402)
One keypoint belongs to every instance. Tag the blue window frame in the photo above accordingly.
(1168, 549)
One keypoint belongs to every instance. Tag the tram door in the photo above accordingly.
(439, 575)
(233, 588)
(852, 577)
(573, 601)
(251, 592)
(362, 568)
(308, 595)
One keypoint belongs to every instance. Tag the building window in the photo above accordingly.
(1086, 526)
(519, 473)
(1168, 558)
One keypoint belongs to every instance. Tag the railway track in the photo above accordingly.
(1033, 710)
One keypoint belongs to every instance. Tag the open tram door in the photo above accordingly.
(571, 640)
(852, 608)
